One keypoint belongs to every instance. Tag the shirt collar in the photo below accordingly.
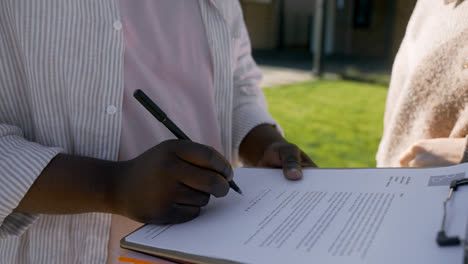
(221, 6)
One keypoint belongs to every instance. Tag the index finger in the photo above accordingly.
(205, 157)
(406, 157)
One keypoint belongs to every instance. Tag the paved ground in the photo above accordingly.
(286, 67)
(276, 76)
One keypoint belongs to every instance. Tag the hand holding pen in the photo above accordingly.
(162, 117)
(170, 182)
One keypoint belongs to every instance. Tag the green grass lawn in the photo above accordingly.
(338, 123)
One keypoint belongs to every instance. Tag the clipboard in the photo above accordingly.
(176, 256)
(412, 197)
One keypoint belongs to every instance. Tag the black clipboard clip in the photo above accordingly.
(442, 239)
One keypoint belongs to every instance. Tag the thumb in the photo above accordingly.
(291, 161)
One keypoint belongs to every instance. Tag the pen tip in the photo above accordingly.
(234, 186)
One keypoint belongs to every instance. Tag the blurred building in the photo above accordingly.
(367, 28)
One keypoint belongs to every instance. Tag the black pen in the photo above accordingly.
(162, 117)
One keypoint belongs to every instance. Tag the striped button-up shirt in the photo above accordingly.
(61, 85)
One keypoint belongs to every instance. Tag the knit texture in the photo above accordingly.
(428, 93)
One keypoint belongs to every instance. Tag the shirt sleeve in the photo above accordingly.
(21, 162)
(249, 104)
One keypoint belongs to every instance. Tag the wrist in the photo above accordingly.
(116, 187)
(72, 184)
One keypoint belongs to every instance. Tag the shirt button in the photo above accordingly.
(117, 25)
(111, 109)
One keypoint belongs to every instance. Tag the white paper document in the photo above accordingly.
(330, 216)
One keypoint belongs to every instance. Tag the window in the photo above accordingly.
(362, 13)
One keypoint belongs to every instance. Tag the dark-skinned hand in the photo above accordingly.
(289, 157)
(171, 182)
(264, 146)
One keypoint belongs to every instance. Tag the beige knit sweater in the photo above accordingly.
(428, 94)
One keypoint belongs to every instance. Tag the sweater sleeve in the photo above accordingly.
(249, 106)
(21, 162)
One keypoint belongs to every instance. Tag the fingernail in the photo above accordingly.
(294, 174)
